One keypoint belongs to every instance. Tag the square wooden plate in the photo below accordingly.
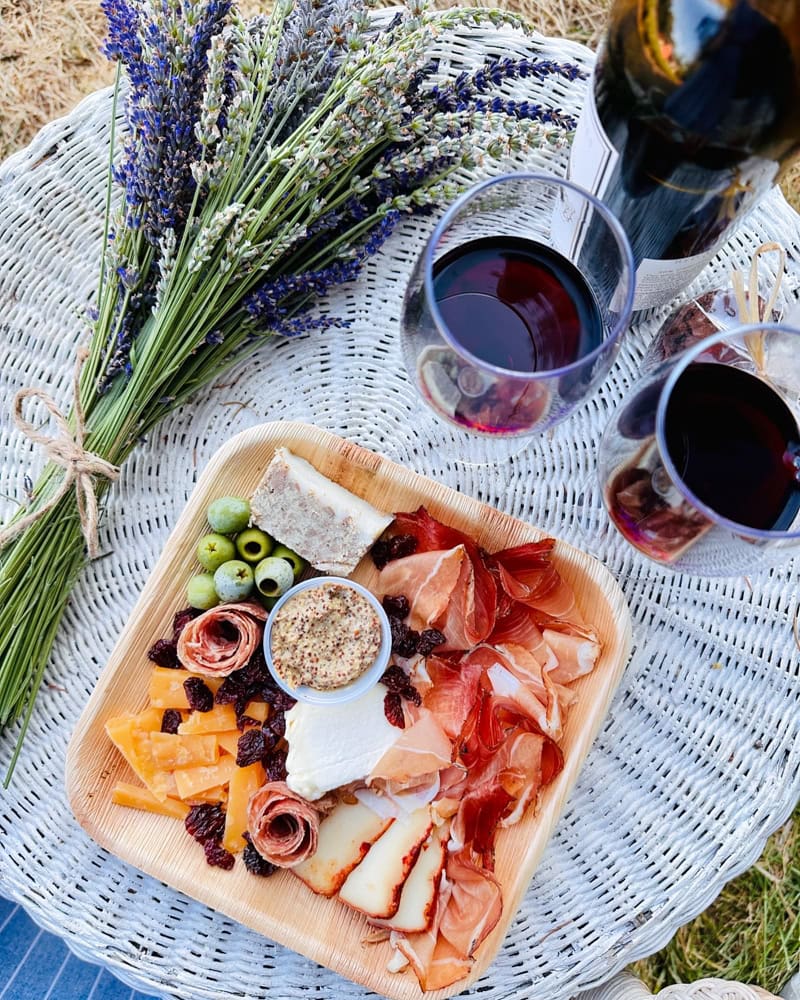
(325, 930)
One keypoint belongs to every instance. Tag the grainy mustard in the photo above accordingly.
(325, 637)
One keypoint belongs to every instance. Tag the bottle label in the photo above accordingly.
(591, 164)
(658, 281)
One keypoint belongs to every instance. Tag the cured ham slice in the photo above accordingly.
(527, 668)
(419, 947)
(422, 748)
(519, 626)
(474, 907)
(575, 655)
(472, 614)
(469, 905)
(529, 692)
(430, 534)
(527, 574)
(429, 580)
(221, 640)
(453, 692)
(283, 827)
(501, 787)
(509, 689)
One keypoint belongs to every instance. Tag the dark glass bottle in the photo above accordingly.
(693, 106)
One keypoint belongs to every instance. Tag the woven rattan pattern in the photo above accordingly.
(695, 765)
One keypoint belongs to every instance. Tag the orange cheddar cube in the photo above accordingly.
(244, 781)
(192, 780)
(221, 719)
(125, 794)
(171, 751)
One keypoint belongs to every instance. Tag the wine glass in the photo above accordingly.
(508, 323)
(700, 466)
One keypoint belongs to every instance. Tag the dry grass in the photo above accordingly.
(49, 59)
(50, 53)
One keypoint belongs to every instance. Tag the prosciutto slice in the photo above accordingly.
(473, 607)
(421, 749)
(527, 574)
(283, 826)
(453, 692)
(429, 580)
(474, 907)
(575, 655)
(469, 904)
(221, 640)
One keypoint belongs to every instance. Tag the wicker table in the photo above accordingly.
(699, 758)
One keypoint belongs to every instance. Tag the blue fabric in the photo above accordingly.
(35, 965)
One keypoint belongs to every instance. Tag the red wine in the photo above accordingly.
(734, 442)
(692, 107)
(516, 304)
(735, 445)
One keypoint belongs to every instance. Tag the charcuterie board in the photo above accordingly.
(281, 907)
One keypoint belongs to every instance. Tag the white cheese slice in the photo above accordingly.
(317, 518)
(332, 745)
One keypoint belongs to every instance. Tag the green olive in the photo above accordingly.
(233, 581)
(213, 550)
(228, 514)
(201, 592)
(298, 564)
(273, 576)
(254, 545)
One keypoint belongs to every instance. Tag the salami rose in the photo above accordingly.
(221, 640)
(283, 826)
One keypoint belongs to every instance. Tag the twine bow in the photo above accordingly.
(64, 449)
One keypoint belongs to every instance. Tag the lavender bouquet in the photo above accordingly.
(262, 163)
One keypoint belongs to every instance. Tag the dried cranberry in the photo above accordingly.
(380, 553)
(404, 639)
(251, 747)
(411, 694)
(393, 709)
(255, 670)
(282, 702)
(206, 822)
(395, 678)
(401, 546)
(229, 690)
(170, 720)
(164, 652)
(275, 765)
(428, 640)
(396, 607)
(182, 619)
(217, 856)
(199, 694)
(276, 723)
(253, 861)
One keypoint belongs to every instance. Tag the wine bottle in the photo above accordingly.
(692, 107)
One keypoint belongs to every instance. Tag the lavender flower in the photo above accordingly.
(165, 51)
(280, 304)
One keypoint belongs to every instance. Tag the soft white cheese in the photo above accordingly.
(332, 745)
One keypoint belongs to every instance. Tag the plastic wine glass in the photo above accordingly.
(505, 330)
(700, 466)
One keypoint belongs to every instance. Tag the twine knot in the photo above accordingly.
(65, 449)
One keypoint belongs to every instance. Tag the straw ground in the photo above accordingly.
(49, 58)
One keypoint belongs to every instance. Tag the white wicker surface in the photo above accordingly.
(694, 767)
(628, 987)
